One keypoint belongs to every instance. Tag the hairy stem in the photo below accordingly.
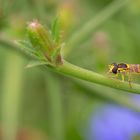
(78, 72)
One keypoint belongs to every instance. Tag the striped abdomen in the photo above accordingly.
(134, 68)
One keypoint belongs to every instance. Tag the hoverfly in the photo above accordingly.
(124, 69)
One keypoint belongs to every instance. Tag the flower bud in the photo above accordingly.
(43, 43)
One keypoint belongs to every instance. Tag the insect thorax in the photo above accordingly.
(117, 68)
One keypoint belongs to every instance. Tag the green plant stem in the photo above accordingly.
(93, 23)
(55, 107)
(11, 95)
(78, 72)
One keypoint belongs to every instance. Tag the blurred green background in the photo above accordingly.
(42, 105)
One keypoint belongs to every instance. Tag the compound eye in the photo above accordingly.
(114, 70)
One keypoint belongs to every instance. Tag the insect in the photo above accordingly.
(124, 69)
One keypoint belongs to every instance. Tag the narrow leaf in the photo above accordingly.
(36, 63)
(56, 30)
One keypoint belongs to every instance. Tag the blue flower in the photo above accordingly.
(114, 122)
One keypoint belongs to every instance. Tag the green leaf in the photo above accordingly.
(55, 53)
(27, 47)
(56, 30)
(36, 63)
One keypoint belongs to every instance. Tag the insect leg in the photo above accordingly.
(116, 75)
(122, 77)
(129, 79)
